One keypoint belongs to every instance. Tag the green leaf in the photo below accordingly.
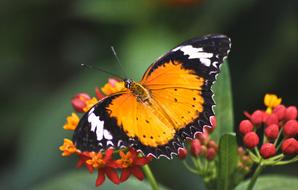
(224, 105)
(77, 180)
(228, 159)
(270, 182)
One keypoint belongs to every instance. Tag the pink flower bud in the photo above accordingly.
(195, 147)
(272, 119)
(251, 140)
(203, 150)
(211, 153)
(182, 153)
(245, 127)
(291, 113)
(212, 144)
(79, 101)
(272, 131)
(257, 117)
(203, 137)
(280, 111)
(290, 129)
(99, 95)
(268, 150)
(290, 146)
(213, 125)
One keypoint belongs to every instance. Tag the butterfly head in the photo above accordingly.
(128, 83)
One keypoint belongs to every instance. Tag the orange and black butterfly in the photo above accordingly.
(172, 102)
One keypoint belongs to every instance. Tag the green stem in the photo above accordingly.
(255, 176)
(188, 167)
(150, 177)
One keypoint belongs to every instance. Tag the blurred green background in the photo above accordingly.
(43, 43)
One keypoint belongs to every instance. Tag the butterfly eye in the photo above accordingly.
(127, 83)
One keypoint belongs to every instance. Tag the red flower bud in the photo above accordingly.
(291, 128)
(268, 150)
(241, 151)
(211, 153)
(195, 147)
(99, 95)
(245, 127)
(280, 111)
(79, 101)
(257, 117)
(290, 146)
(251, 140)
(291, 113)
(182, 153)
(212, 144)
(271, 119)
(213, 125)
(203, 137)
(203, 150)
(272, 131)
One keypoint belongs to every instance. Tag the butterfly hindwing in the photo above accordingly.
(97, 131)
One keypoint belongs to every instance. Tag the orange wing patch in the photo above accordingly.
(177, 91)
(141, 120)
(172, 74)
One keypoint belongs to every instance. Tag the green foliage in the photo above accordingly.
(228, 159)
(224, 105)
(270, 182)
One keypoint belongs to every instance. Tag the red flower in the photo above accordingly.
(213, 125)
(203, 137)
(182, 153)
(195, 147)
(99, 95)
(268, 150)
(79, 102)
(251, 140)
(245, 126)
(211, 153)
(131, 164)
(271, 119)
(291, 113)
(291, 128)
(280, 111)
(272, 131)
(257, 117)
(105, 166)
(290, 146)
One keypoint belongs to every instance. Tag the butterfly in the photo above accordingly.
(172, 102)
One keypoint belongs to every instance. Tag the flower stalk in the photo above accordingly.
(255, 176)
(150, 177)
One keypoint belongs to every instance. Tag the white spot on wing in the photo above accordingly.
(196, 53)
(96, 125)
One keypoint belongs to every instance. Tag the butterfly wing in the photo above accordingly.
(121, 121)
(97, 131)
(180, 82)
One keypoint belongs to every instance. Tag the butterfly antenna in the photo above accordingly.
(99, 69)
(118, 61)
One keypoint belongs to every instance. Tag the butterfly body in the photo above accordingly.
(142, 94)
(172, 102)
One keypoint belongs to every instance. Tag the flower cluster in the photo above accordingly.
(111, 162)
(202, 151)
(271, 134)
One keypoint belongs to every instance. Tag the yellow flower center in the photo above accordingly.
(96, 160)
